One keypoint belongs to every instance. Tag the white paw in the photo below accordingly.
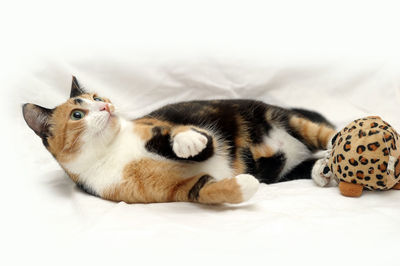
(189, 143)
(317, 173)
(334, 182)
(248, 185)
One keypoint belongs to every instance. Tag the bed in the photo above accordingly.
(51, 221)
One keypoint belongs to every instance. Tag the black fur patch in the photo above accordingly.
(221, 115)
(160, 144)
(248, 160)
(302, 171)
(269, 168)
(229, 119)
(195, 190)
(45, 141)
(86, 189)
(76, 89)
(78, 101)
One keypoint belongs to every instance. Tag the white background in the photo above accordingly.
(338, 57)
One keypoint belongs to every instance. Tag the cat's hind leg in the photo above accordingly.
(231, 190)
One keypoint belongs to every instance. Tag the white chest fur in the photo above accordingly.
(100, 167)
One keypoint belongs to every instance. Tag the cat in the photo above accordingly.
(212, 152)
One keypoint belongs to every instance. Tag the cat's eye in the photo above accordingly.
(98, 99)
(77, 114)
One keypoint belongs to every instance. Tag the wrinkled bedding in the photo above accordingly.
(50, 221)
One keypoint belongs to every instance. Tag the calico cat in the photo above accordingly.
(200, 151)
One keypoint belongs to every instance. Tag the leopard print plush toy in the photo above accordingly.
(364, 154)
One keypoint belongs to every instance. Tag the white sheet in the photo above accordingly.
(286, 222)
(294, 54)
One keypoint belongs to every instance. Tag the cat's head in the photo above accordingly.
(84, 119)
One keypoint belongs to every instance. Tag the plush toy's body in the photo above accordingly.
(364, 154)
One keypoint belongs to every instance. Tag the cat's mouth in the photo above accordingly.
(107, 121)
(102, 122)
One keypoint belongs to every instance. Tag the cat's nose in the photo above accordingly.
(105, 107)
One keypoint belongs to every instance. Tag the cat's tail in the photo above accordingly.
(315, 134)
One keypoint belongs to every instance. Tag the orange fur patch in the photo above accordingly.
(144, 126)
(261, 150)
(238, 165)
(226, 190)
(152, 122)
(314, 134)
(179, 129)
(149, 180)
(242, 140)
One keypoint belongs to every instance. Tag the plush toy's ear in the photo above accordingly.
(37, 118)
(76, 89)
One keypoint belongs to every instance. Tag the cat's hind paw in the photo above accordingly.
(248, 185)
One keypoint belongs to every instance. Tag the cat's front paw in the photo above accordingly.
(189, 143)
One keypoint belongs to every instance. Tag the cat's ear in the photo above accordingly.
(37, 118)
(76, 89)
